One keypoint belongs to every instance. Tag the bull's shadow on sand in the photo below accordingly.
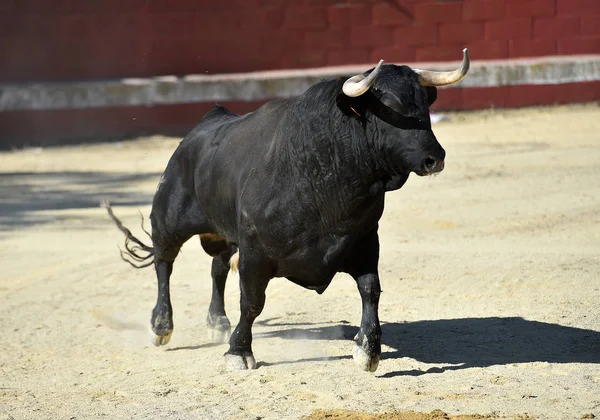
(462, 343)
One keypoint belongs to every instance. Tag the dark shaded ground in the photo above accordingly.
(25, 196)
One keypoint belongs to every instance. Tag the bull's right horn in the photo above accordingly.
(359, 84)
(442, 78)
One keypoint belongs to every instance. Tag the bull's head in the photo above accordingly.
(395, 100)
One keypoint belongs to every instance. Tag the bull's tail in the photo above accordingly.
(136, 253)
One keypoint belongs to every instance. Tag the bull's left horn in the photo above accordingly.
(359, 84)
(442, 78)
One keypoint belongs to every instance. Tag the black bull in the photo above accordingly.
(296, 190)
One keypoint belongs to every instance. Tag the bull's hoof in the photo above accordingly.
(363, 360)
(240, 362)
(160, 339)
(161, 327)
(218, 329)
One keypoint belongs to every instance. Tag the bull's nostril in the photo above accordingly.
(429, 163)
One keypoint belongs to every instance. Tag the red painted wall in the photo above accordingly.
(94, 39)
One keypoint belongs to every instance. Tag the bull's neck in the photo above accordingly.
(329, 153)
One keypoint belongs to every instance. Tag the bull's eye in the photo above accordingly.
(390, 105)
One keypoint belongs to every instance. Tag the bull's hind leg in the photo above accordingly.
(167, 246)
(218, 325)
(162, 314)
(170, 230)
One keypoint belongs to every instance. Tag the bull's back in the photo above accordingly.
(234, 137)
(218, 157)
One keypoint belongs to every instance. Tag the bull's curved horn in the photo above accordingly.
(359, 84)
(442, 78)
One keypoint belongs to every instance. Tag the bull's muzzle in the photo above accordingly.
(431, 165)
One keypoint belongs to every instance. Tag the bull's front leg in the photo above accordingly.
(254, 278)
(367, 346)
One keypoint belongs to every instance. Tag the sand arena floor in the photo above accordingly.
(490, 274)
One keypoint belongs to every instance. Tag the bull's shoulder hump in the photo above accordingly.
(218, 114)
(275, 106)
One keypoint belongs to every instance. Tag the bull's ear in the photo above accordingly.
(431, 94)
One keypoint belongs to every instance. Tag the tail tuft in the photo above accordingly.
(138, 255)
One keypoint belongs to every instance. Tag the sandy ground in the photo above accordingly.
(490, 275)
